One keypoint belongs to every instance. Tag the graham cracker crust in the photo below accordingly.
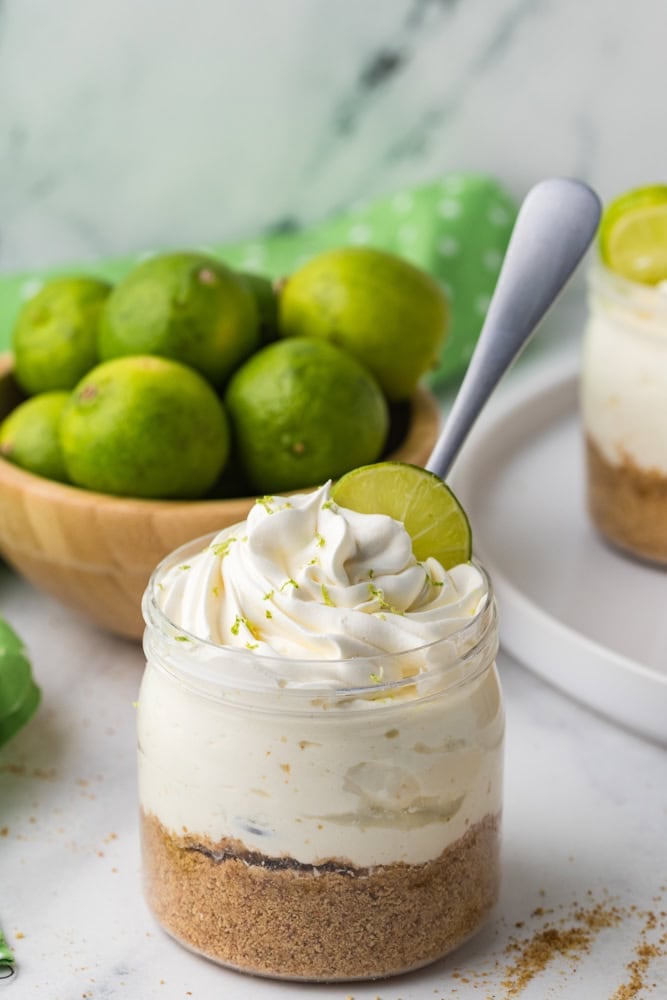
(628, 505)
(277, 917)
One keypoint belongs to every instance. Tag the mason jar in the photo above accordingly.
(297, 830)
(624, 412)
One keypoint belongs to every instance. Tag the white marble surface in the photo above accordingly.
(585, 820)
(127, 126)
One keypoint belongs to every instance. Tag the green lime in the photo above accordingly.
(55, 336)
(29, 435)
(420, 500)
(184, 306)
(266, 302)
(387, 313)
(144, 427)
(304, 411)
(633, 235)
(19, 695)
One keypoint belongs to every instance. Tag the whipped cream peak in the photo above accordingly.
(307, 579)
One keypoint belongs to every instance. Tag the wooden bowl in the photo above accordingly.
(96, 552)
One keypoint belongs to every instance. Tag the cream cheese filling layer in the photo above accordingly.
(624, 389)
(373, 786)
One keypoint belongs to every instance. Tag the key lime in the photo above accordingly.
(389, 314)
(302, 412)
(266, 302)
(184, 306)
(29, 436)
(633, 235)
(420, 500)
(55, 336)
(144, 427)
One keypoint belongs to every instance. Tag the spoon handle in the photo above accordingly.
(553, 230)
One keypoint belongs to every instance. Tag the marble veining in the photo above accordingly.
(173, 122)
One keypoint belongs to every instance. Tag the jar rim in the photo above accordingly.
(178, 645)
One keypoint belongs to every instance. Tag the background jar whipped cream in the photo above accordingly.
(624, 410)
(331, 816)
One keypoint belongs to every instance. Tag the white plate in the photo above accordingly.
(583, 616)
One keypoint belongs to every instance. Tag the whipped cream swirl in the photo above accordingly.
(306, 579)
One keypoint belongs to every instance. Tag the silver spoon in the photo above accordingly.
(553, 230)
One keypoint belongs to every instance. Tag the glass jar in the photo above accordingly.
(294, 830)
(624, 411)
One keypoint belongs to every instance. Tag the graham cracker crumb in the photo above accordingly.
(569, 936)
(628, 504)
(645, 952)
(327, 922)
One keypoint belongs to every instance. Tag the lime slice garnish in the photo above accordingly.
(633, 235)
(429, 511)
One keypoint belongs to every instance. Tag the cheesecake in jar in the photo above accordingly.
(624, 411)
(320, 733)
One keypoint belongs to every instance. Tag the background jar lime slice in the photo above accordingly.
(633, 235)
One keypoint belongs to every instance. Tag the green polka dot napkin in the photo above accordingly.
(456, 227)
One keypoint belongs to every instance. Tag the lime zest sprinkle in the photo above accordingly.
(266, 502)
(320, 540)
(326, 598)
(251, 645)
(215, 591)
(371, 574)
(184, 566)
(267, 597)
(378, 677)
(241, 620)
(222, 548)
(378, 594)
(314, 561)
(289, 583)
(328, 505)
(182, 638)
(268, 613)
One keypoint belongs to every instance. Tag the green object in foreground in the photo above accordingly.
(6, 954)
(19, 695)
